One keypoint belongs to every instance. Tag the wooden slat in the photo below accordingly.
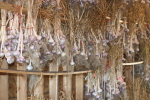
(4, 82)
(67, 84)
(39, 89)
(21, 84)
(133, 63)
(52, 73)
(79, 86)
(53, 83)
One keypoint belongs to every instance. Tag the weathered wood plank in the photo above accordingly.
(53, 83)
(4, 82)
(67, 84)
(79, 86)
(52, 73)
(21, 84)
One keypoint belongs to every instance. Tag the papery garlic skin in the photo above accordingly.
(72, 63)
(63, 54)
(29, 67)
(2, 54)
(10, 59)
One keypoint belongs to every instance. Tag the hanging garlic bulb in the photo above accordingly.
(16, 53)
(94, 93)
(8, 53)
(2, 54)
(51, 40)
(99, 90)
(62, 41)
(32, 47)
(20, 59)
(29, 67)
(72, 62)
(10, 59)
(63, 54)
(39, 37)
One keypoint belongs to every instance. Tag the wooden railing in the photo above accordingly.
(53, 82)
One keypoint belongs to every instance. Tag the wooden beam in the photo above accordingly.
(4, 82)
(79, 86)
(39, 88)
(43, 73)
(133, 63)
(67, 84)
(21, 84)
(53, 83)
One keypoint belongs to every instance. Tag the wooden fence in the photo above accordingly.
(53, 82)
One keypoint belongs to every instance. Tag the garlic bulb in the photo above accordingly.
(62, 41)
(20, 59)
(51, 40)
(8, 53)
(16, 53)
(41, 61)
(10, 59)
(30, 67)
(88, 94)
(2, 54)
(39, 37)
(94, 93)
(58, 52)
(48, 52)
(82, 53)
(53, 44)
(99, 90)
(25, 41)
(63, 54)
(89, 54)
(37, 54)
(98, 96)
(72, 63)
(32, 47)
(147, 78)
(27, 61)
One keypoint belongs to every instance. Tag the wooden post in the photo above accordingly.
(53, 83)
(21, 84)
(79, 86)
(4, 81)
(67, 84)
(39, 88)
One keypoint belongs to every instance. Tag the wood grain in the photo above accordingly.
(4, 82)
(21, 84)
(51, 73)
(79, 86)
(53, 83)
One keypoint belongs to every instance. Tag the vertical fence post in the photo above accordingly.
(4, 81)
(67, 84)
(53, 82)
(79, 86)
(39, 89)
(21, 84)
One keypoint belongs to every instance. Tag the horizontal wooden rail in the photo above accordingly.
(133, 63)
(43, 73)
